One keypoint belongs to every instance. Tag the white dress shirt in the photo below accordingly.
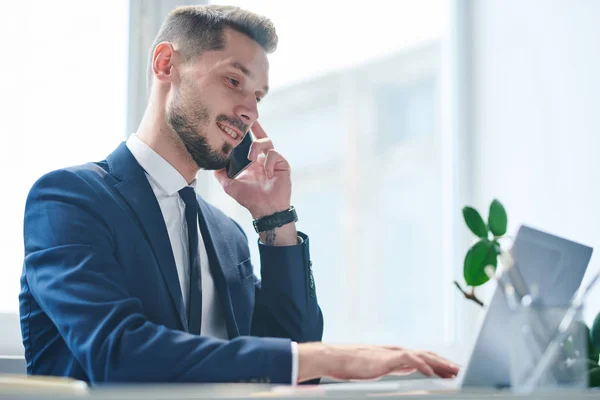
(166, 182)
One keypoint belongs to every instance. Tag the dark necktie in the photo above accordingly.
(194, 315)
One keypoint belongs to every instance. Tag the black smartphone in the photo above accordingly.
(238, 158)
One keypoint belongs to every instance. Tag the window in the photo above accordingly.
(355, 107)
(63, 103)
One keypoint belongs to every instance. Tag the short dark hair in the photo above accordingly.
(197, 29)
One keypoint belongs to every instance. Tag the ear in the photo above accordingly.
(163, 61)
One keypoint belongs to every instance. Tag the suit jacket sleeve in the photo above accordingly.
(286, 301)
(74, 276)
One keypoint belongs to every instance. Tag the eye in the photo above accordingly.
(234, 82)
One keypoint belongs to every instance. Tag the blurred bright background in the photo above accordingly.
(393, 115)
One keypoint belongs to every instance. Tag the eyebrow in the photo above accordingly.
(247, 72)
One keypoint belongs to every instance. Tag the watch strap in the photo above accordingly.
(276, 220)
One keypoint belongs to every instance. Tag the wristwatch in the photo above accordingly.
(276, 220)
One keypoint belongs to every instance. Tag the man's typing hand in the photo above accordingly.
(345, 362)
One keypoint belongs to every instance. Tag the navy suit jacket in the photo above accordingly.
(100, 298)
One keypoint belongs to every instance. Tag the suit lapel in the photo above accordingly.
(136, 190)
(222, 266)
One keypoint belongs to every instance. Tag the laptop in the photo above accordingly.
(552, 266)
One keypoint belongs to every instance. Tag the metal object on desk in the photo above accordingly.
(554, 352)
(568, 365)
(549, 347)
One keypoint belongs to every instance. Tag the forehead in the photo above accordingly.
(239, 50)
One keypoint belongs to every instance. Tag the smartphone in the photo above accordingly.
(238, 158)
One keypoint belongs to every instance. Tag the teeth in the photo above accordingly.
(229, 131)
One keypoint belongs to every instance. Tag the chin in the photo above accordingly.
(226, 149)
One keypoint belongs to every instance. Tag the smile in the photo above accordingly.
(228, 131)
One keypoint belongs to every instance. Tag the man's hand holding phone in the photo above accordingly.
(265, 186)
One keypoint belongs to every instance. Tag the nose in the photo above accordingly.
(248, 110)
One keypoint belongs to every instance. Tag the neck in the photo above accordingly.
(156, 133)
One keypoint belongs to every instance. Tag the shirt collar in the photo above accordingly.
(168, 179)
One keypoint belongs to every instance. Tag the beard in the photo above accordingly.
(191, 124)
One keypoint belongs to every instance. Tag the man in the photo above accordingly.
(130, 276)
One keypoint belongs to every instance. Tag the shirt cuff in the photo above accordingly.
(294, 380)
(300, 240)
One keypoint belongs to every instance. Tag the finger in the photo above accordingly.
(446, 376)
(421, 365)
(440, 365)
(443, 370)
(411, 360)
(258, 131)
(275, 162)
(259, 146)
(431, 353)
(444, 361)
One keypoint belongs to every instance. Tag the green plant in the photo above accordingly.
(594, 352)
(483, 255)
(591, 358)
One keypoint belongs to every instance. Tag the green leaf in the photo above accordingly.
(591, 364)
(497, 220)
(475, 222)
(482, 254)
(594, 377)
(593, 353)
(582, 331)
(595, 332)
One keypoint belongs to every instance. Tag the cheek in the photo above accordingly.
(196, 109)
(222, 98)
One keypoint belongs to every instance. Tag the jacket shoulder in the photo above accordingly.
(89, 172)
